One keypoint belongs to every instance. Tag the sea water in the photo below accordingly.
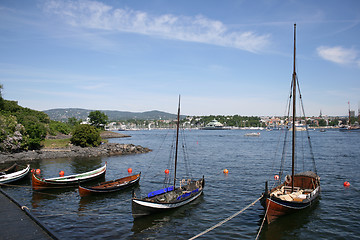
(250, 162)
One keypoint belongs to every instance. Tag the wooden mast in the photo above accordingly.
(294, 116)
(177, 140)
(349, 116)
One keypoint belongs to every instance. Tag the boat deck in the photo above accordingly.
(17, 224)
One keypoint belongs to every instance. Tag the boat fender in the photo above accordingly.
(287, 179)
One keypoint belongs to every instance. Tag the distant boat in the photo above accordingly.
(298, 191)
(66, 181)
(170, 197)
(110, 186)
(214, 125)
(14, 176)
(252, 134)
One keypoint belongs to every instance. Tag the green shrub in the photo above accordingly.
(55, 127)
(86, 136)
(36, 132)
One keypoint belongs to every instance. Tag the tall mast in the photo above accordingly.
(349, 115)
(177, 140)
(294, 115)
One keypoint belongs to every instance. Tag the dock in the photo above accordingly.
(18, 223)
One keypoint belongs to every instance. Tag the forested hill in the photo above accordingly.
(62, 114)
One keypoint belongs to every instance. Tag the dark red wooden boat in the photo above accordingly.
(110, 186)
(66, 181)
(301, 190)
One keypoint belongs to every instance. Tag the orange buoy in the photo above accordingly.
(276, 177)
(33, 170)
(225, 171)
(346, 184)
(166, 171)
(38, 171)
(129, 170)
(61, 173)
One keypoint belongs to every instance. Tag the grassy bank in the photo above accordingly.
(56, 143)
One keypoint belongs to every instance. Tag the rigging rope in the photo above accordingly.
(225, 220)
(306, 126)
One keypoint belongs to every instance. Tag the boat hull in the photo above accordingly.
(148, 206)
(276, 207)
(110, 186)
(15, 176)
(66, 181)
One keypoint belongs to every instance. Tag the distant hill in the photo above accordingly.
(62, 114)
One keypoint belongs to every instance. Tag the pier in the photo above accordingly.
(18, 223)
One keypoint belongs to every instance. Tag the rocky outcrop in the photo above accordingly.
(106, 149)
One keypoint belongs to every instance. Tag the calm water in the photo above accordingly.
(250, 161)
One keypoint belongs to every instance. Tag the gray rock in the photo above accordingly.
(106, 149)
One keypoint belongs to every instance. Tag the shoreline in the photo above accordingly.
(106, 149)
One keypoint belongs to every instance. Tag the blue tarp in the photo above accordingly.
(187, 194)
(157, 192)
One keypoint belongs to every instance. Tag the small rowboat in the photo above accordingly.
(110, 186)
(12, 177)
(61, 182)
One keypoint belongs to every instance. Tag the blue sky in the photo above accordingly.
(223, 57)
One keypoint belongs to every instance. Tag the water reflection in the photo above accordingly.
(288, 224)
(80, 165)
(159, 220)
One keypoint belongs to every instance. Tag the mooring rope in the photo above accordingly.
(262, 224)
(225, 220)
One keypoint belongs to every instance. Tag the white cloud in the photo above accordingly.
(338, 55)
(96, 15)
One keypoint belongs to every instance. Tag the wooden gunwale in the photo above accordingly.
(110, 186)
(41, 183)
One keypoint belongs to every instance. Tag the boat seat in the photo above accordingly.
(288, 188)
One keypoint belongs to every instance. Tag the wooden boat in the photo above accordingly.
(65, 181)
(299, 191)
(14, 176)
(8, 170)
(110, 186)
(257, 134)
(170, 197)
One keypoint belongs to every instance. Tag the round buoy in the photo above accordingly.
(38, 171)
(166, 171)
(129, 170)
(33, 170)
(61, 173)
(276, 177)
(225, 171)
(346, 184)
(287, 179)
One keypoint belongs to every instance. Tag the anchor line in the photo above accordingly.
(225, 220)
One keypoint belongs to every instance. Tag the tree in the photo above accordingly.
(86, 136)
(98, 119)
(73, 121)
